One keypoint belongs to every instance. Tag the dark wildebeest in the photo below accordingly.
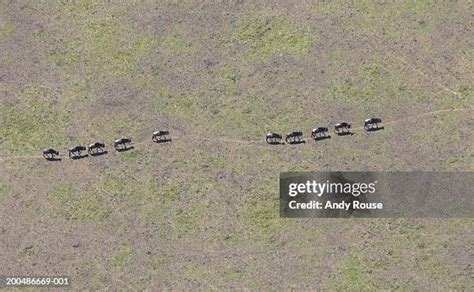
(49, 153)
(294, 137)
(273, 138)
(342, 128)
(160, 136)
(96, 148)
(121, 143)
(319, 132)
(372, 123)
(76, 151)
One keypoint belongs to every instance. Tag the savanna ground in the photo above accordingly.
(199, 213)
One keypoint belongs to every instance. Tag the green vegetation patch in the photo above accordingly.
(72, 204)
(463, 99)
(116, 184)
(264, 216)
(264, 36)
(413, 248)
(380, 85)
(95, 42)
(198, 274)
(190, 220)
(33, 123)
(92, 271)
(122, 256)
(260, 212)
(135, 154)
(159, 196)
(3, 8)
(98, 50)
(164, 200)
(6, 30)
(354, 276)
(177, 43)
(4, 189)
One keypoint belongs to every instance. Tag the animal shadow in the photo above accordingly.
(345, 134)
(375, 129)
(54, 159)
(159, 141)
(77, 157)
(322, 138)
(99, 153)
(276, 143)
(125, 149)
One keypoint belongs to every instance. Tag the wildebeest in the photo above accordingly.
(49, 153)
(342, 128)
(372, 123)
(319, 132)
(160, 136)
(76, 150)
(273, 138)
(121, 143)
(294, 137)
(96, 147)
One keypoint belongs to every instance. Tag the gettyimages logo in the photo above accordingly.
(313, 187)
(377, 194)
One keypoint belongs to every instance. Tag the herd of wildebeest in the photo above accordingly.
(123, 144)
(98, 148)
(320, 133)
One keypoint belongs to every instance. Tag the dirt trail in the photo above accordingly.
(247, 142)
